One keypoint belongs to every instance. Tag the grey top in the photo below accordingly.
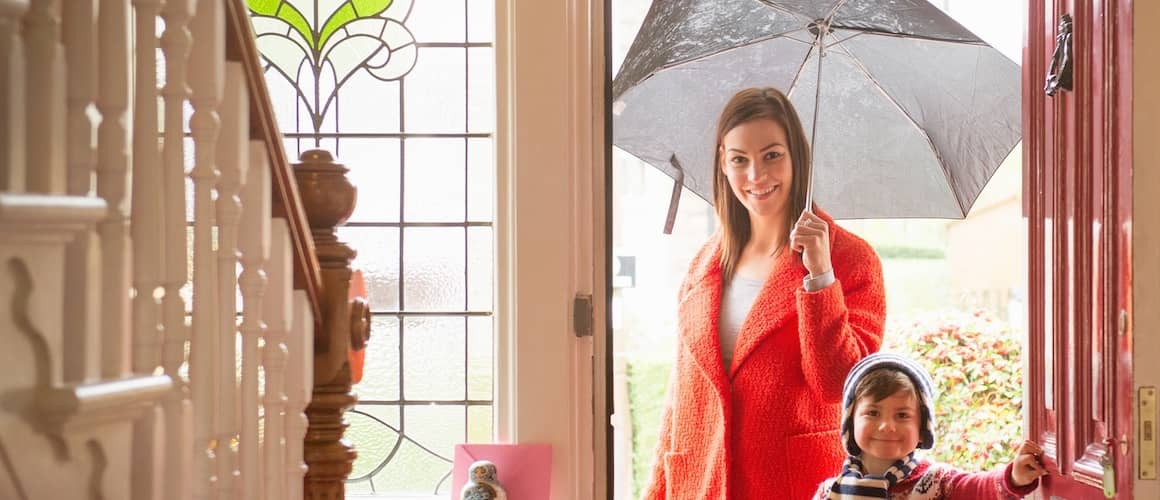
(737, 298)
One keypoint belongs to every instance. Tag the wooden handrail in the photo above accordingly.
(287, 203)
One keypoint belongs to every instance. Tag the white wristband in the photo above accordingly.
(818, 282)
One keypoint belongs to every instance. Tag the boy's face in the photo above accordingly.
(887, 430)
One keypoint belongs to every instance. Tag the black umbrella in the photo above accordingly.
(915, 112)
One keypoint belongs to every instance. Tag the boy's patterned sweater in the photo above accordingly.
(935, 481)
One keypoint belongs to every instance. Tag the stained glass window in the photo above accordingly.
(403, 92)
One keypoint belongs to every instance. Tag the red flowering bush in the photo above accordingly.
(976, 363)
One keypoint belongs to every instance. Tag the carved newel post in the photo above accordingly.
(329, 199)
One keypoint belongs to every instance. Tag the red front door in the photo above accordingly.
(1077, 192)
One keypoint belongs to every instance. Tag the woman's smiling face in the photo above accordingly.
(755, 158)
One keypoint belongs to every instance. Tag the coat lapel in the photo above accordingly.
(699, 310)
(774, 306)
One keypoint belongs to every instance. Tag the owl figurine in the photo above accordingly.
(482, 483)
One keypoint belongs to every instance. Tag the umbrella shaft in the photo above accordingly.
(820, 46)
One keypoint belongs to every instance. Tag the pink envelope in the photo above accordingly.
(524, 470)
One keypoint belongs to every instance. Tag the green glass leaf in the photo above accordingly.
(284, 10)
(351, 10)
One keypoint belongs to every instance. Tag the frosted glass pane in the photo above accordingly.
(374, 170)
(358, 488)
(433, 184)
(480, 180)
(437, 21)
(433, 354)
(480, 361)
(479, 269)
(436, 91)
(373, 440)
(378, 258)
(367, 104)
(413, 471)
(433, 277)
(481, 20)
(292, 148)
(381, 371)
(437, 427)
(479, 427)
(283, 98)
(481, 89)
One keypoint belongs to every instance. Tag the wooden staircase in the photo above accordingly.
(174, 304)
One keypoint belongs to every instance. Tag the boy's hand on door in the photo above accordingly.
(1029, 464)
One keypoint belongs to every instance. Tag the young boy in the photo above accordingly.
(887, 413)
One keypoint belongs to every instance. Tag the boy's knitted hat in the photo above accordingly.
(918, 376)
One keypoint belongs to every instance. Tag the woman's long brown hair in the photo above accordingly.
(747, 105)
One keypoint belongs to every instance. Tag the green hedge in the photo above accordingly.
(647, 381)
(901, 252)
(976, 363)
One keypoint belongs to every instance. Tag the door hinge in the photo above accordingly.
(582, 315)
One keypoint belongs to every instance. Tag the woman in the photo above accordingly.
(776, 308)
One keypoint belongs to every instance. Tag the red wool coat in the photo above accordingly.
(768, 428)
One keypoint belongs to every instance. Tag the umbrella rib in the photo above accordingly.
(798, 73)
(741, 46)
(834, 10)
(844, 40)
(946, 173)
(928, 38)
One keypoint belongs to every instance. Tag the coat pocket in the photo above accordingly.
(817, 456)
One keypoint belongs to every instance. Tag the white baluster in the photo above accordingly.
(146, 231)
(12, 139)
(113, 183)
(206, 69)
(277, 310)
(44, 55)
(233, 154)
(82, 301)
(147, 203)
(299, 386)
(175, 43)
(254, 242)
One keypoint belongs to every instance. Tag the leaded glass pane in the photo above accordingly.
(480, 179)
(378, 437)
(369, 105)
(374, 168)
(378, 259)
(438, 21)
(479, 268)
(436, 91)
(434, 188)
(416, 470)
(381, 368)
(481, 21)
(433, 271)
(480, 90)
(479, 424)
(434, 352)
(480, 359)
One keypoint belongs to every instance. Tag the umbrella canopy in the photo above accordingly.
(914, 111)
